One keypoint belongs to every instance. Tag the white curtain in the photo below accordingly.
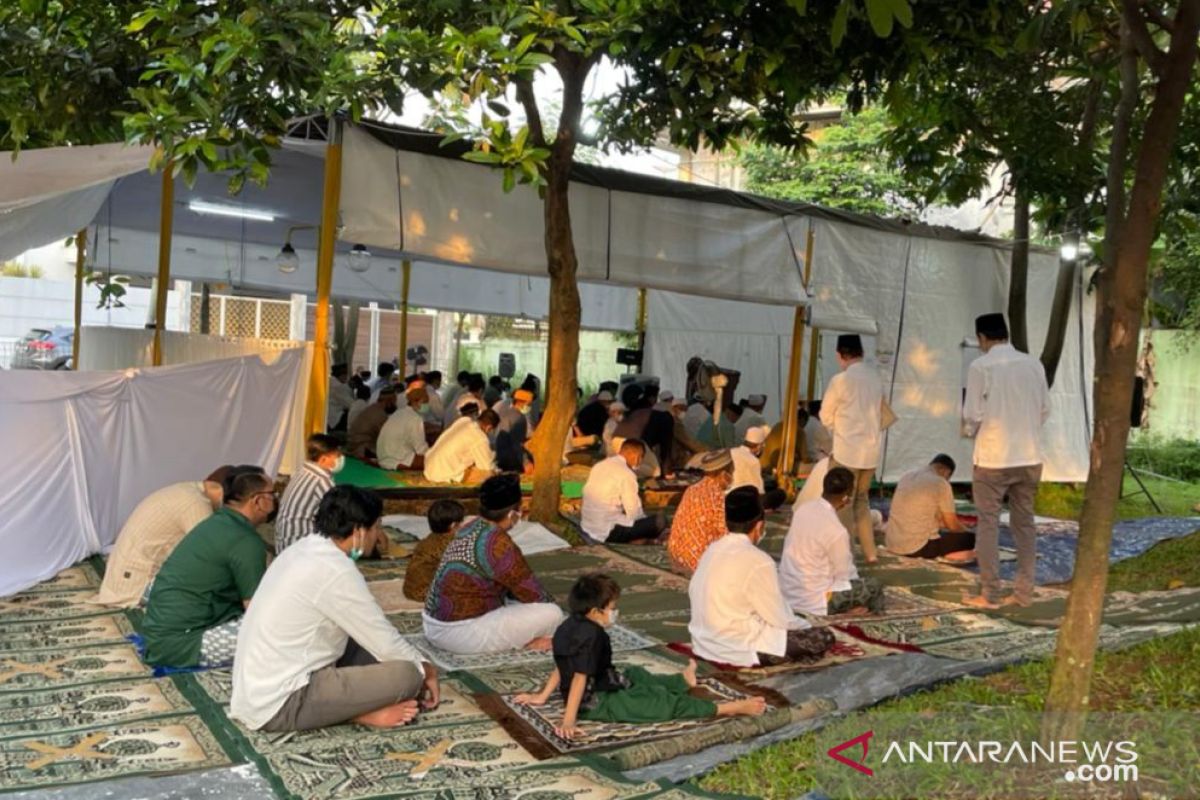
(83, 448)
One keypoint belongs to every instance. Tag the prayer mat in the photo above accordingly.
(531, 537)
(533, 726)
(847, 647)
(898, 603)
(384, 569)
(31, 606)
(559, 571)
(74, 633)
(62, 710)
(623, 640)
(83, 576)
(174, 744)
(65, 667)
(531, 677)
(389, 595)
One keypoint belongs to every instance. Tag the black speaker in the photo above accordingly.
(628, 357)
(1138, 406)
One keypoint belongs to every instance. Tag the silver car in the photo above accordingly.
(43, 348)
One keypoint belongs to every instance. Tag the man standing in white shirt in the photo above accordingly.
(463, 453)
(747, 468)
(852, 410)
(1007, 403)
(612, 510)
(341, 397)
(315, 648)
(401, 443)
(817, 569)
(738, 613)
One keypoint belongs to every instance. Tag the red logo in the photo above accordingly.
(864, 739)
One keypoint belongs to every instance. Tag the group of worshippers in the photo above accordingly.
(311, 647)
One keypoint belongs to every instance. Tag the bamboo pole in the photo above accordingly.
(405, 277)
(80, 255)
(318, 383)
(166, 217)
(641, 320)
(787, 458)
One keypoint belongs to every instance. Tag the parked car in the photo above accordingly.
(44, 349)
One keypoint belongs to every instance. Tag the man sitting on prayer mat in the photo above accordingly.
(591, 418)
(471, 393)
(593, 689)
(817, 569)
(364, 433)
(196, 603)
(922, 522)
(401, 443)
(612, 510)
(817, 437)
(684, 446)
(305, 490)
(484, 598)
(445, 518)
(747, 469)
(700, 519)
(340, 397)
(155, 527)
(513, 431)
(463, 453)
(315, 647)
(722, 434)
(752, 416)
(616, 412)
(739, 615)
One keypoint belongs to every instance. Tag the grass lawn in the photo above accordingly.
(1159, 675)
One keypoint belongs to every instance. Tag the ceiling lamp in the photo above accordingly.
(287, 260)
(359, 258)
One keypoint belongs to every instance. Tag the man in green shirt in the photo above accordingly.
(199, 596)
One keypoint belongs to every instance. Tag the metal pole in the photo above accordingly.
(405, 276)
(318, 383)
(80, 255)
(166, 215)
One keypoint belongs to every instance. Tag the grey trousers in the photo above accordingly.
(988, 489)
(866, 591)
(857, 516)
(356, 684)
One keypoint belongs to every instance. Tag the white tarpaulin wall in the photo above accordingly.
(83, 448)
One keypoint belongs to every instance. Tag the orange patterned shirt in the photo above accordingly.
(699, 522)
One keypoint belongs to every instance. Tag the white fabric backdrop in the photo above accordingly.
(83, 448)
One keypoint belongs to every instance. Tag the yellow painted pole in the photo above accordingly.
(787, 458)
(405, 277)
(80, 255)
(815, 340)
(318, 382)
(641, 319)
(166, 216)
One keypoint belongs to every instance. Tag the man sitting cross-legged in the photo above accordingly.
(484, 598)
(401, 443)
(304, 491)
(923, 522)
(817, 569)
(739, 615)
(315, 648)
(197, 601)
(445, 517)
(700, 519)
(612, 511)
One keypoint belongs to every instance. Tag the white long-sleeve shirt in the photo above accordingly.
(461, 446)
(737, 608)
(852, 409)
(311, 600)
(610, 497)
(401, 439)
(1007, 403)
(816, 558)
(747, 469)
(341, 397)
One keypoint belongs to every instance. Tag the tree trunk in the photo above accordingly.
(1018, 285)
(1122, 295)
(565, 311)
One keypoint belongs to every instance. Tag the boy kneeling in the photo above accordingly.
(593, 689)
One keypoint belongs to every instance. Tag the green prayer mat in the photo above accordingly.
(363, 475)
(74, 633)
(64, 710)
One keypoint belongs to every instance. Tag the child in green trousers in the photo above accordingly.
(592, 689)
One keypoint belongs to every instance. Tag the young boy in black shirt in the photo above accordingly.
(592, 689)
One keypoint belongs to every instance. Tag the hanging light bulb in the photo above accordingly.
(359, 258)
(287, 260)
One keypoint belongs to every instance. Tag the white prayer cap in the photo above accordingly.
(605, 396)
(617, 406)
(666, 396)
(757, 399)
(757, 434)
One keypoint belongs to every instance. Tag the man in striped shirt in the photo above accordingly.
(303, 494)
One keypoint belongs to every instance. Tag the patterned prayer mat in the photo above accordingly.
(173, 744)
(31, 606)
(76, 633)
(89, 706)
(898, 604)
(847, 647)
(623, 640)
(83, 576)
(534, 726)
(558, 572)
(390, 597)
(64, 667)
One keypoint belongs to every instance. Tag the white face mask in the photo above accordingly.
(613, 616)
(338, 465)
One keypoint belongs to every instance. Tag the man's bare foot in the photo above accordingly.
(961, 556)
(750, 707)
(978, 601)
(390, 716)
(1013, 600)
(542, 644)
(858, 611)
(689, 674)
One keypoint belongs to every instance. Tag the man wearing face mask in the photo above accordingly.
(196, 603)
(315, 648)
(484, 598)
(305, 490)
(364, 433)
(401, 443)
(512, 431)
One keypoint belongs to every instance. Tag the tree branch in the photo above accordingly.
(532, 115)
(1140, 33)
(1155, 15)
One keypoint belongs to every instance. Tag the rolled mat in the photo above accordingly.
(735, 730)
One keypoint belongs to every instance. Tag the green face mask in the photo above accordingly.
(356, 552)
